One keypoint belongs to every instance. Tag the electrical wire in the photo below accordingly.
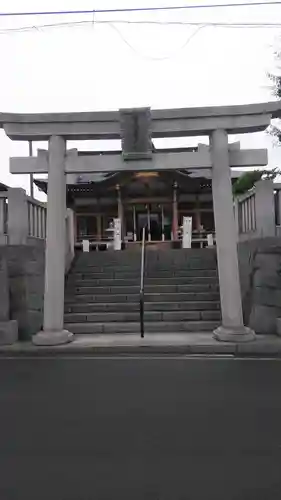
(164, 58)
(143, 22)
(140, 9)
(113, 24)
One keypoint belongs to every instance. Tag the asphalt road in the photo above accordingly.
(144, 428)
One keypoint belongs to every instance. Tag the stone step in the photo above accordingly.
(136, 281)
(101, 298)
(149, 297)
(207, 305)
(128, 290)
(108, 258)
(102, 307)
(148, 306)
(134, 327)
(152, 267)
(129, 260)
(170, 255)
(149, 316)
(181, 292)
(184, 273)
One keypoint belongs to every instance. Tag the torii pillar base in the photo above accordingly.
(45, 338)
(242, 334)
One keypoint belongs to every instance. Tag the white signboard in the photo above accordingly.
(86, 245)
(186, 232)
(117, 240)
(210, 240)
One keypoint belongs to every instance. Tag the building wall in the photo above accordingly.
(93, 220)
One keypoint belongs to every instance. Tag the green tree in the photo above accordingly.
(275, 78)
(249, 179)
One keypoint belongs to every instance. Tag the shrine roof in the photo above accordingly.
(96, 183)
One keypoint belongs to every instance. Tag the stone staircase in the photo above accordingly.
(181, 292)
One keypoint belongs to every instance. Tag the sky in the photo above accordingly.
(105, 66)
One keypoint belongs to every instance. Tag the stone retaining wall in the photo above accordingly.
(4, 291)
(260, 275)
(26, 285)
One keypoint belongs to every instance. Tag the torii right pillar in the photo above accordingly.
(232, 328)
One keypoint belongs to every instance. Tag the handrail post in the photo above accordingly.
(142, 284)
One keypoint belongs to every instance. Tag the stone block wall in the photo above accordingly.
(8, 328)
(260, 276)
(25, 265)
(4, 291)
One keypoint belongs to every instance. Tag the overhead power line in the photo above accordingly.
(139, 9)
(113, 22)
(161, 58)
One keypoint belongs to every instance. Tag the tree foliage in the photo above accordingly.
(249, 179)
(275, 78)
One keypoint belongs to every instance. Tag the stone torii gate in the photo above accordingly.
(137, 128)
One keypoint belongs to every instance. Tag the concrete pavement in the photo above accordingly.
(176, 343)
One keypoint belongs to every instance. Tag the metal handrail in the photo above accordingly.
(142, 284)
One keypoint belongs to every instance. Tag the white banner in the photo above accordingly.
(186, 232)
(117, 234)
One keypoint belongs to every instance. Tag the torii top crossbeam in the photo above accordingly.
(164, 122)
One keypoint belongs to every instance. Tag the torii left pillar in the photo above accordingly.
(53, 332)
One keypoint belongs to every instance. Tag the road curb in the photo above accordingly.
(251, 349)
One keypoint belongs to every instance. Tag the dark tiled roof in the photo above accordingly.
(3, 187)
